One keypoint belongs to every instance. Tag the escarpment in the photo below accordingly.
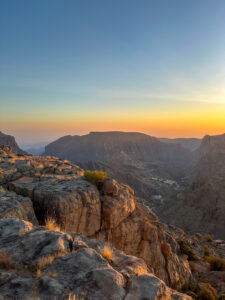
(36, 189)
(58, 191)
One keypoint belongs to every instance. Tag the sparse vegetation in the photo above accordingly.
(209, 237)
(207, 292)
(50, 224)
(95, 177)
(107, 252)
(207, 251)
(72, 297)
(46, 261)
(186, 249)
(216, 263)
(39, 273)
(6, 261)
(140, 270)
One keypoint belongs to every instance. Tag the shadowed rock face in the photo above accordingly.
(107, 146)
(202, 206)
(78, 267)
(57, 190)
(9, 140)
(15, 206)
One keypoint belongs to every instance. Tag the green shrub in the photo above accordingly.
(207, 292)
(216, 263)
(95, 177)
(186, 249)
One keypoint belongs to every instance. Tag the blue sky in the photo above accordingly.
(86, 59)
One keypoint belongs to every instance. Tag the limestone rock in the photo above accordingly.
(110, 187)
(150, 287)
(57, 191)
(82, 272)
(16, 206)
(116, 209)
(74, 204)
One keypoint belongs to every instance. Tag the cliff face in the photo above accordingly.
(57, 260)
(9, 140)
(57, 190)
(201, 208)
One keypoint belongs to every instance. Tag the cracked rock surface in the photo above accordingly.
(78, 267)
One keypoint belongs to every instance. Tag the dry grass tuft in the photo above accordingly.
(6, 261)
(45, 261)
(39, 273)
(72, 297)
(107, 252)
(140, 270)
(50, 224)
(209, 237)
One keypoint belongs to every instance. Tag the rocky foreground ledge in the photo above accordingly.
(36, 189)
(43, 264)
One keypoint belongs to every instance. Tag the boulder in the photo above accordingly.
(116, 209)
(110, 187)
(16, 206)
(150, 287)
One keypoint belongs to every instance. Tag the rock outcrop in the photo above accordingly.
(71, 257)
(55, 265)
(58, 191)
(9, 140)
(16, 206)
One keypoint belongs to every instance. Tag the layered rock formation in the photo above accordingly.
(8, 140)
(54, 265)
(57, 190)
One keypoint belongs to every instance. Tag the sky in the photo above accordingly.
(74, 66)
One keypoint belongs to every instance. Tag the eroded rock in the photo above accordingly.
(83, 272)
